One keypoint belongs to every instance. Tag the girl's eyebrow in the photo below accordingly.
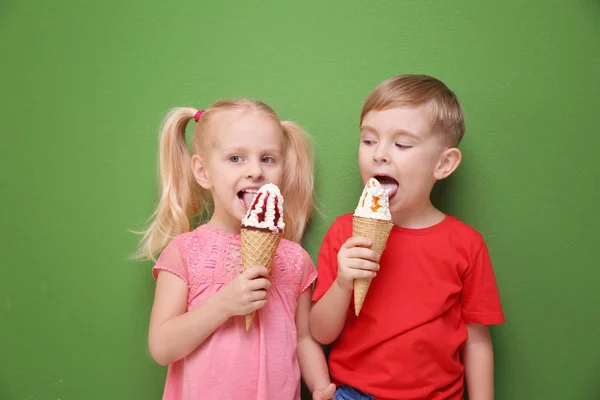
(272, 150)
(242, 149)
(232, 149)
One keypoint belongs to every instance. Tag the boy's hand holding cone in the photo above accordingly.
(372, 220)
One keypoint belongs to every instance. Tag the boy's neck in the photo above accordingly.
(419, 217)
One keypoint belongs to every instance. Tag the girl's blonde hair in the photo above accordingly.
(183, 200)
(415, 90)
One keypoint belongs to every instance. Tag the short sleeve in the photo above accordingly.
(309, 272)
(171, 260)
(480, 298)
(327, 261)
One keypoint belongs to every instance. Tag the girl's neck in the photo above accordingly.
(226, 223)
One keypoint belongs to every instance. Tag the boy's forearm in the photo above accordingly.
(478, 358)
(312, 364)
(179, 336)
(328, 315)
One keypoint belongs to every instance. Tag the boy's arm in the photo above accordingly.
(310, 355)
(328, 315)
(478, 357)
(354, 260)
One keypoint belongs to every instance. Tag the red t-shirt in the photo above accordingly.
(407, 341)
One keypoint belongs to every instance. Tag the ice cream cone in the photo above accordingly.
(258, 249)
(378, 231)
(372, 220)
(261, 230)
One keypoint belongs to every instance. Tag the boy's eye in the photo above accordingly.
(368, 142)
(268, 160)
(403, 146)
(236, 159)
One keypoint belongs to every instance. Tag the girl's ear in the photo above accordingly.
(447, 164)
(200, 172)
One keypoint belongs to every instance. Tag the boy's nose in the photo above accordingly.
(380, 155)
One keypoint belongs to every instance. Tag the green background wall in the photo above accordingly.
(84, 87)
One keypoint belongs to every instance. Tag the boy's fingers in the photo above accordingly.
(362, 274)
(363, 253)
(364, 265)
(357, 241)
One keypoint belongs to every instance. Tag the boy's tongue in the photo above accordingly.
(248, 197)
(390, 186)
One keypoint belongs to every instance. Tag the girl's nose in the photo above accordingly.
(255, 171)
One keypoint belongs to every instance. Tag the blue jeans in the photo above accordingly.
(346, 392)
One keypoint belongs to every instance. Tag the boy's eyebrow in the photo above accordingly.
(399, 132)
(367, 128)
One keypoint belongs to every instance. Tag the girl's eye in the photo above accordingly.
(403, 146)
(268, 160)
(368, 142)
(236, 159)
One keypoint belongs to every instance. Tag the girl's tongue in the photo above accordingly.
(247, 198)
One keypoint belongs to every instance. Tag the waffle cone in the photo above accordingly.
(258, 248)
(378, 231)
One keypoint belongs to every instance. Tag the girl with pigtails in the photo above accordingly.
(197, 324)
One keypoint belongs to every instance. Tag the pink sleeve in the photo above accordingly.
(309, 272)
(171, 260)
(480, 298)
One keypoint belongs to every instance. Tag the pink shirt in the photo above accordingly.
(232, 363)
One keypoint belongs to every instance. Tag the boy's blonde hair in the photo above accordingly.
(415, 90)
(182, 199)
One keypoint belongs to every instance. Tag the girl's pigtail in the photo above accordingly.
(181, 198)
(298, 180)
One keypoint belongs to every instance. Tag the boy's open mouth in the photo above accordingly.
(389, 184)
(246, 197)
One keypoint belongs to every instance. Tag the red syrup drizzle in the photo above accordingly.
(255, 201)
(277, 215)
(261, 217)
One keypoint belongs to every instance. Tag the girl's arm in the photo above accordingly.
(478, 357)
(175, 333)
(310, 355)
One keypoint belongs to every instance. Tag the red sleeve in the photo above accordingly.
(171, 260)
(480, 298)
(327, 261)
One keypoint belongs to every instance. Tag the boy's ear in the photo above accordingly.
(449, 161)
(200, 172)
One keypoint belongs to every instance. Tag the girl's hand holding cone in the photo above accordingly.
(247, 292)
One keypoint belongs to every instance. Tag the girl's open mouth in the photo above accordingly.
(246, 197)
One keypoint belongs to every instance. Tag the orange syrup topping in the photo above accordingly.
(376, 206)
